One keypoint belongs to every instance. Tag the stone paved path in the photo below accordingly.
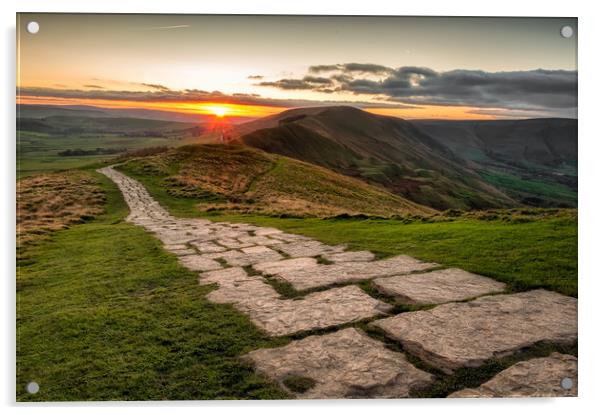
(244, 261)
(541, 377)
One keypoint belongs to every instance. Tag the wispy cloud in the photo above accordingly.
(156, 86)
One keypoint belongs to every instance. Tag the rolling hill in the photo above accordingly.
(534, 161)
(243, 179)
(384, 151)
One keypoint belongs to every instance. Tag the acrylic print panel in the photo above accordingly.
(295, 207)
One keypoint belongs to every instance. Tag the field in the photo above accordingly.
(39, 141)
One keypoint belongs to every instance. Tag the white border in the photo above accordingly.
(590, 201)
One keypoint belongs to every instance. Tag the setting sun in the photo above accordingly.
(219, 111)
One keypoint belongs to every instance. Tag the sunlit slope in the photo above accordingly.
(243, 179)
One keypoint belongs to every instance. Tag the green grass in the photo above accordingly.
(539, 253)
(104, 313)
(514, 184)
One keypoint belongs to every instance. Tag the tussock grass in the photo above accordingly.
(245, 180)
(49, 202)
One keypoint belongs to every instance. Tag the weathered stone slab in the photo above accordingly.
(540, 377)
(229, 233)
(182, 252)
(344, 364)
(258, 240)
(267, 231)
(308, 248)
(206, 247)
(275, 267)
(199, 263)
(279, 317)
(324, 275)
(175, 247)
(350, 256)
(289, 237)
(233, 243)
(457, 335)
(236, 287)
(314, 311)
(437, 287)
(246, 256)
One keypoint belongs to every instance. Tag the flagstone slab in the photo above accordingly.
(199, 263)
(350, 256)
(206, 247)
(308, 248)
(437, 287)
(539, 377)
(259, 240)
(182, 252)
(468, 334)
(315, 311)
(275, 267)
(233, 243)
(347, 272)
(288, 237)
(236, 287)
(278, 317)
(344, 364)
(267, 231)
(246, 256)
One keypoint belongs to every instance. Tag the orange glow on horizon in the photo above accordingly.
(220, 110)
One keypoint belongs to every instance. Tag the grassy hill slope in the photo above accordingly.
(243, 179)
(384, 150)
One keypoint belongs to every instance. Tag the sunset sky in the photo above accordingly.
(254, 66)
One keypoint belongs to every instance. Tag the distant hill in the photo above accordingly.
(243, 179)
(43, 111)
(534, 161)
(386, 151)
(78, 124)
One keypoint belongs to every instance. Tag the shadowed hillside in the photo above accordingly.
(243, 179)
(534, 161)
(381, 150)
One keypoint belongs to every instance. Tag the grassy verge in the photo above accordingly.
(539, 253)
(104, 313)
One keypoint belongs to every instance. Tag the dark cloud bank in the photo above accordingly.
(536, 90)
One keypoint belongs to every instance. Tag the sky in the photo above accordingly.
(253, 66)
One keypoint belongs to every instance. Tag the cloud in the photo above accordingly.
(255, 77)
(351, 67)
(94, 86)
(540, 89)
(315, 83)
(157, 86)
(193, 96)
